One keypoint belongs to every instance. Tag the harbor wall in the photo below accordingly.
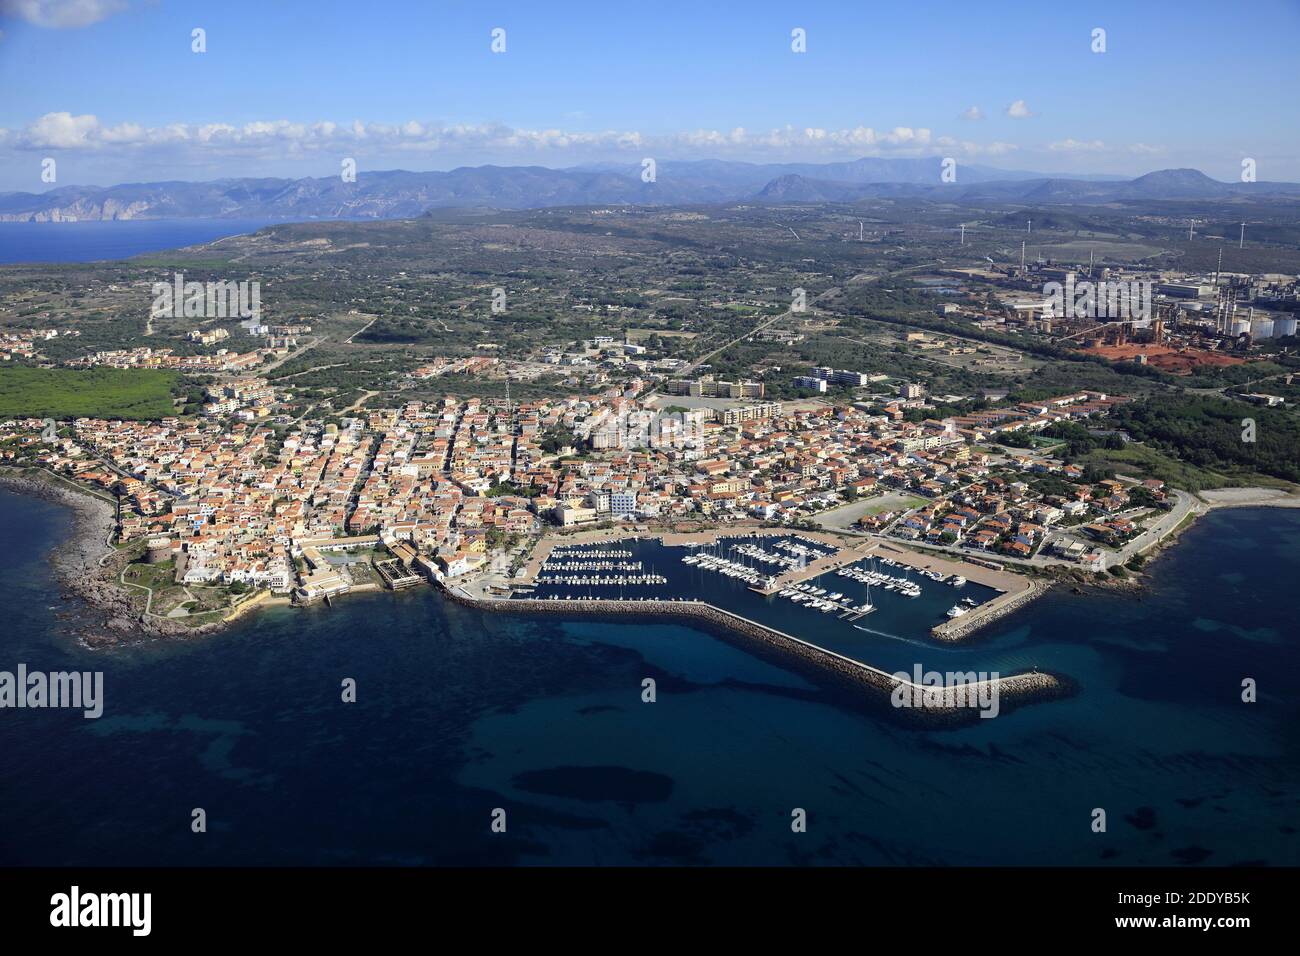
(956, 629)
(816, 662)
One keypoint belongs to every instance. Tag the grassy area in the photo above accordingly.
(1139, 461)
(893, 503)
(102, 392)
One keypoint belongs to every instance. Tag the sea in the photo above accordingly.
(462, 719)
(93, 240)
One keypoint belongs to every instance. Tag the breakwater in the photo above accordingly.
(958, 628)
(934, 707)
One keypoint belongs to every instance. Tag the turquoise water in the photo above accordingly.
(460, 713)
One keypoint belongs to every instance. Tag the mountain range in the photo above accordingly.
(397, 194)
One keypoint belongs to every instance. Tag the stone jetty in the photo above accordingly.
(936, 710)
(956, 629)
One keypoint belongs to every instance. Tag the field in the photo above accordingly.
(102, 392)
(1138, 461)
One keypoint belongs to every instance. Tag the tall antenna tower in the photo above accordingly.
(1022, 256)
(859, 230)
(963, 233)
(1191, 229)
(1241, 243)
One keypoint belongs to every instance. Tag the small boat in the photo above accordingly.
(957, 610)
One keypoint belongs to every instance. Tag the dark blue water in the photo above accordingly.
(92, 241)
(460, 713)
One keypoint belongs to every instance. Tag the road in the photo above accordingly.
(292, 355)
(367, 396)
(1184, 504)
(686, 372)
(348, 340)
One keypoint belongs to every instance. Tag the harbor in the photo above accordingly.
(873, 602)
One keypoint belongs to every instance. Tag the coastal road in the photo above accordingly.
(1184, 504)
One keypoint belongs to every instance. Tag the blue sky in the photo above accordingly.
(113, 92)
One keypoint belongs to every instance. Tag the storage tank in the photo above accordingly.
(1261, 328)
(1240, 326)
(1284, 326)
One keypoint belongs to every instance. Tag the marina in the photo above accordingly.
(871, 602)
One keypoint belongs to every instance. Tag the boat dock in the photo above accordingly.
(830, 562)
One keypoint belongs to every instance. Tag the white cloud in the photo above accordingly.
(61, 14)
(1077, 146)
(269, 140)
(61, 131)
(1019, 110)
(971, 113)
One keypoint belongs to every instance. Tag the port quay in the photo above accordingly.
(1015, 590)
(943, 706)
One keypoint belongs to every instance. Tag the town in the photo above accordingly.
(458, 488)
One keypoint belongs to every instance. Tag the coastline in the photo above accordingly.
(1214, 500)
(86, 565)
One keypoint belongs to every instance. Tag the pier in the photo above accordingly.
(1012, 689)
(831, 562)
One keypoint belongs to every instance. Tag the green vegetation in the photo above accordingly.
(141, 394)
(510, 488)
(1212, 434)
(1141, 461)
(555, 438)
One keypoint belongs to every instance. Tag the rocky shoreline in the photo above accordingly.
(821, 665)
(87, 566)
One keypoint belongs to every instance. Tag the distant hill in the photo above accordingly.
(1165, 184)
(395, 194)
